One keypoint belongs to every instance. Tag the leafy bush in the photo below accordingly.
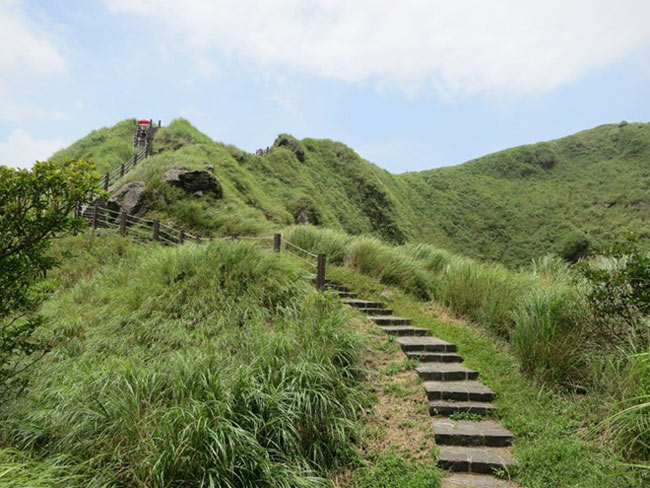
(619, 294)
(35, 207)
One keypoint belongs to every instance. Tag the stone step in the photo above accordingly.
(445, 372)
(446, 407)
(435, 357)
(332, 286)
(469, 433)
(347, 294)
(376, 311)
(389, 320)
(464, 480)
(475, 459)
(430, 344)
(356, 303)
(460, 391)
(404, 330)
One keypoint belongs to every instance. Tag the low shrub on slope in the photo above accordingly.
(207, 365)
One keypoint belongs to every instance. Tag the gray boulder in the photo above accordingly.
(193, 181)
(129, 199)
(302, 216)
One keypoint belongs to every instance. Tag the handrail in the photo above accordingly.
(141, 228)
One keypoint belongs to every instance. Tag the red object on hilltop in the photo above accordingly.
(142, 122)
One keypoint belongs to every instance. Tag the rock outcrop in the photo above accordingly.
(291, 143)
(193, 181)
(129, 199)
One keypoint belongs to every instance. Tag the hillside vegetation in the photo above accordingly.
(204, 365)
(562, 196)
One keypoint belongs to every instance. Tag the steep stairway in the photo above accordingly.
(470, 445)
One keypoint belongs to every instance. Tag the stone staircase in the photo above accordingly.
(472, 447)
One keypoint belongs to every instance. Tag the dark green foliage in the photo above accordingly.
(619, 293)
(35, 207)
(575, 247)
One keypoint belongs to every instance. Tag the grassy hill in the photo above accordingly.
(561, 196)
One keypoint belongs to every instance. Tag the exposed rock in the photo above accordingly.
(609, 204)
(639, 204)
(210, 168)
(129, 199)
(193, 181)
(302, 216)
(198, 194)
(173, 177)
(158, 197)
(291, 143)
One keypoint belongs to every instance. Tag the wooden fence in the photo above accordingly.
(147, 229)
(153, 230)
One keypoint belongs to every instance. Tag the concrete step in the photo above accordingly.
(376, 311)
(446, 407)
(430, 344)
(356, 303)
(445, 372)
(332, 286)
(404, 330)
(347, 294)
(469, 433)
(460, 391)
(389, 320)
(463, 480)
(434, 357)
(475, 459)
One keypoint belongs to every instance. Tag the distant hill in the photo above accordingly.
(561, 196)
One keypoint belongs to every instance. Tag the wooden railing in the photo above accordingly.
(147, 229)
(144, 229)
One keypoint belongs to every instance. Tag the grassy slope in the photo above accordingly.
(505, 206)
(174, 367)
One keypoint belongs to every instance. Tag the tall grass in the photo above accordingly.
(204, 365)
(539, 309)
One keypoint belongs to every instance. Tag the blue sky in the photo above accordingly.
(409, 85)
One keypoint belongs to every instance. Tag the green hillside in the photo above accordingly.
(553, 197)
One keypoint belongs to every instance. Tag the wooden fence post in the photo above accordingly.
(121, 170)
(277, 242)
(135, 159)
(107, 177)
(320, 271)
(95, 216)
(159, 123)
(156, 230)
(198, 239)
(181, 236)
(122, 223)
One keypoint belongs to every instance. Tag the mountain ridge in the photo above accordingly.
(560, 196)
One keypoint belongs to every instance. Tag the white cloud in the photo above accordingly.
(25, 49)
(28, 57)
(459, 47)
(21, 150)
